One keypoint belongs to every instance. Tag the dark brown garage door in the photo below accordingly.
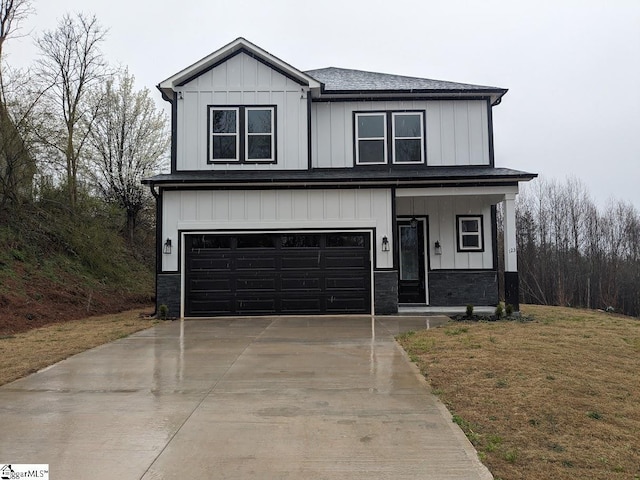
(284, 273)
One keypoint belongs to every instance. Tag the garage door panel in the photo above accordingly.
(346, 283)
(345, 261)
(305, 283)
(260, 274)
(211, 307)
(302, 262)
(209, 264)
(300, 305)
(256, 305)
(217, 284)
(256, 262)
(354, 304)
(253, 283)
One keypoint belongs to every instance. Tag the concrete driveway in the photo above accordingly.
(265, 398)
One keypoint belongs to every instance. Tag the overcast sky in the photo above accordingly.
(572, 67)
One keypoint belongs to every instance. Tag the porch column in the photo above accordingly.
(511, 281)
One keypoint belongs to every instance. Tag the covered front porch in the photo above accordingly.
(446, 246)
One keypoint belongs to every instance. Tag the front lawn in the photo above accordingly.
(556, 396)
(27, 352)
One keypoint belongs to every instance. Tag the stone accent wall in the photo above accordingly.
(386, 292)
(512, 290)
(168, 293)
(454, 288)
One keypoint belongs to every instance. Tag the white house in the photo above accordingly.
(328, 191)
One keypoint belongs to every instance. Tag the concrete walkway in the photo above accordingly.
(264, 398)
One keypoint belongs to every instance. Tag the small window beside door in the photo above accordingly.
(470, 233)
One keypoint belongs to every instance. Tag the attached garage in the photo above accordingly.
(277, 273)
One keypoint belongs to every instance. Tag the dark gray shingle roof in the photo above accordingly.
(345, 80)
(363, 175)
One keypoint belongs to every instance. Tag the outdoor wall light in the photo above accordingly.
(166, 249)
(413, 222)
(385, 244)
(438, 248)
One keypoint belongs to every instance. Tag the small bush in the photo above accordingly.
(499, 311)
(163, 312)
(469, 310)
(508, 310)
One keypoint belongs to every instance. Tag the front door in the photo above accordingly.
(412, 285)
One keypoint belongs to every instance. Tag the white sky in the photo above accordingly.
(572, 67)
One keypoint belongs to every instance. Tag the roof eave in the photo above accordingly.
(495, 95)
(438, 180)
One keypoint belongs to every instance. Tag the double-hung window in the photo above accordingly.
(389, 137)
(225, 139)
(407, 134)
(470, 233)
(242, 134)
(371, 138)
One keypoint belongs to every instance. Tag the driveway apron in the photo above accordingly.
(264, 398)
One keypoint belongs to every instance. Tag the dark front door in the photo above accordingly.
(411, 288)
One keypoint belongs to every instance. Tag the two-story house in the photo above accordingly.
(329, 191)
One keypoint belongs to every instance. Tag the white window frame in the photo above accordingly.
(212, 134)
(272, 156)
(394, 138)
(383, 138)
(479, 234)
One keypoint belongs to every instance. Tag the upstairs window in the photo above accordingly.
(470, 233)
(371, 138)
(408, 138)
(260, 127)
(242, 134)
(378, 133)
(225, 141)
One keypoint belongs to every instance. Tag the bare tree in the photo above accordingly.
(570, 253)
(73, 66)
(129, 141)
(12, 13)
(17, 165)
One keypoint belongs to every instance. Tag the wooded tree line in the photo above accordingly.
(72, 127)
(572, 252)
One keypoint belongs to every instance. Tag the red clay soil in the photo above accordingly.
(41, 302)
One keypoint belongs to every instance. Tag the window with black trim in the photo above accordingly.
(400, 132)
(470, 233)
(243, 134)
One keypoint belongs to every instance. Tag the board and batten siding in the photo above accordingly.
(241, 80)
(442, 212)
(255, 210)
(457, 131)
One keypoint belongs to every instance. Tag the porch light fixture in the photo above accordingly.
(413, 222)
(166, 249)
(438, 248)
(385, 244)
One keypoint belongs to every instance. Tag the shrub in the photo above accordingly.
(499, 311)
(163, 312)
(469, 310)
(508, 309)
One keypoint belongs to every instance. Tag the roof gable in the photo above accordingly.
(239, 45)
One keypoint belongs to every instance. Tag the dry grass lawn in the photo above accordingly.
(28, 352)
(554, 397)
